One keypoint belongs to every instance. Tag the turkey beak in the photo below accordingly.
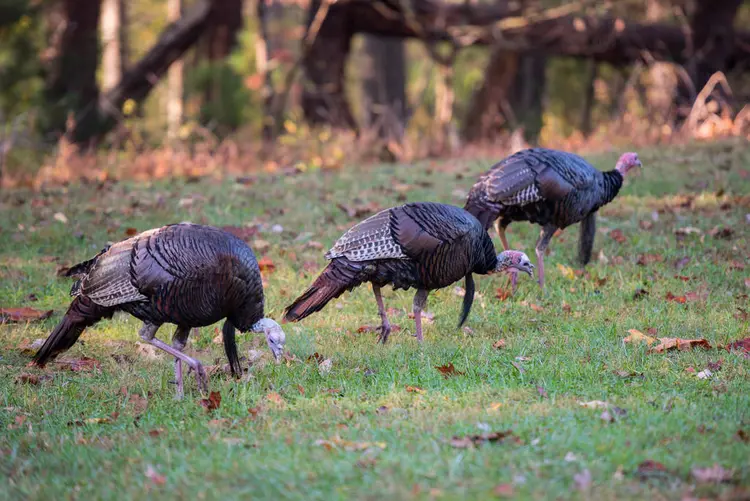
(530, 270)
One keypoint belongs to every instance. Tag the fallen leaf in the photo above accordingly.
(254, 411)
(648, 259)
(618, 236)
(681, 263)
(724, 233)
(78, 364)
(414, 389)
(347, 445)
(155, 432)
(261, 246)
(313, 244)
(18, 422)
(687, 230)
(147, 350)
(499, 344)
(683, 278)
(23, 314)
(640, 293)
(742, 436)
(34, 379)
(266, 264)
(212, 402)
(275, 399)
(716, 366)
(676, 299)
(645, 224)
(741, 345)
(566, 271)
(316, 357)
(470, 441)
(651, 468)
(155, 477)
(712, 475)
(448, 370)
(375, 328)
(594, 404)
(671, 343)
(131, 232)
(138, 403)
(737, 265)
(637, 336)
(31, 348)
(583, 480)
(504, 490)
(59, 216)
(427, 316)
(502, 294)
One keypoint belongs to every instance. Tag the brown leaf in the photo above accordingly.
(155, 477)
(23, 314)
(712, 475)
(681, 263)
(374, 328)
(637, 336)
(448, 370)
(131, 232)
(724, 233)
(414, 389)
(33, 379)
(651, 468)
(737, 265)
(683, 278)
(502, 293)
(715, 366)
(741, 345)
(316, 357)
(212, 402)
(155, 432)
(645, 224)
(254, 411)
(30, 348)
(19, 420)
(618, 236)
(266, 264)
(275, 398)
(469, 441)
(499, 344)
(79, 364)
(742, 436)
(676, 299)
(648, 259)
(640, 293)
(504, 490)
(672, 343)
(138, 403)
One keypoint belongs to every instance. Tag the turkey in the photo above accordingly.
(186, 274)
(551, 188)
(423, 245)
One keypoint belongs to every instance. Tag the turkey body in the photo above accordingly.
(185, 274)
(422, 245)
(551, 188)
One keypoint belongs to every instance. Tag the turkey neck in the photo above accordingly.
(611, 184)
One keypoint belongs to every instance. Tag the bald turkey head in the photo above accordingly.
(512, 261)
(627, 161)
(275, 336)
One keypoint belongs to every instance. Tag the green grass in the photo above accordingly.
(573, 349)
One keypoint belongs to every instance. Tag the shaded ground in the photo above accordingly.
(379, 423)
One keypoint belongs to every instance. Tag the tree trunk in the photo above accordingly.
(174, 81)
(221, 39)
(661, 78)
(527, 98)
(111, 30)
(384, 87)
(323, 98)
(490, 108)
(71, 88)
(588, 98)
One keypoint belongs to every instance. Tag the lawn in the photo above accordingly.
(379, 423)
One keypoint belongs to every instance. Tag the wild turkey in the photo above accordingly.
(186, 274)
(548, 187)
(423, 245)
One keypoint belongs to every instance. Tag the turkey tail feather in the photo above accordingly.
(230, 347)
(586, 239)
(331, 283)
(468, 299)
(82, 313)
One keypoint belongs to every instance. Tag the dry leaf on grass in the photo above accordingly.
(712, 475)
(618, 236)
(147, 351)
(502, 293)
(499, 344)
(275, 399)
(637, 336)
(78, 364)
(30, 348)
(138, 404)
(468, 441)
(347, 445)
(34, 379)
(266, 264)
(414, 389)
(155, 477)
(672, 343)
(742, 345)
(504, 490)
(448, 370)
(24, 314)
(212, 402)
(650, 468)
(649, 259)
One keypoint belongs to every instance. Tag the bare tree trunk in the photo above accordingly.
(527, 95)
(662, 77)
(489, 109)
(588, 97)
(385, 87)
(111, 27)
(221, 39)
(71, 87)
(446, 139)
(174, 81)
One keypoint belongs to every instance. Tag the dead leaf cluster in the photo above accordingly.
(471, 441)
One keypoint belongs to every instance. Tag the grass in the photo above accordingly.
(53, 446)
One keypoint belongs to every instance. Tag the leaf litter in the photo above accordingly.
(471, 441)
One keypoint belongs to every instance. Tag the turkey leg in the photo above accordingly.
(541, 245)
(148, 334)
(500, 229)
(420, 301)
(179, 340)
(385, 327)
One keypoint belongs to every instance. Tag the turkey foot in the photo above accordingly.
(148, 334)
(385, 327)
(420, 301)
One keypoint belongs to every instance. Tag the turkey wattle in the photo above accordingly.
(551, 188)
(185, 274)
(425, 245)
